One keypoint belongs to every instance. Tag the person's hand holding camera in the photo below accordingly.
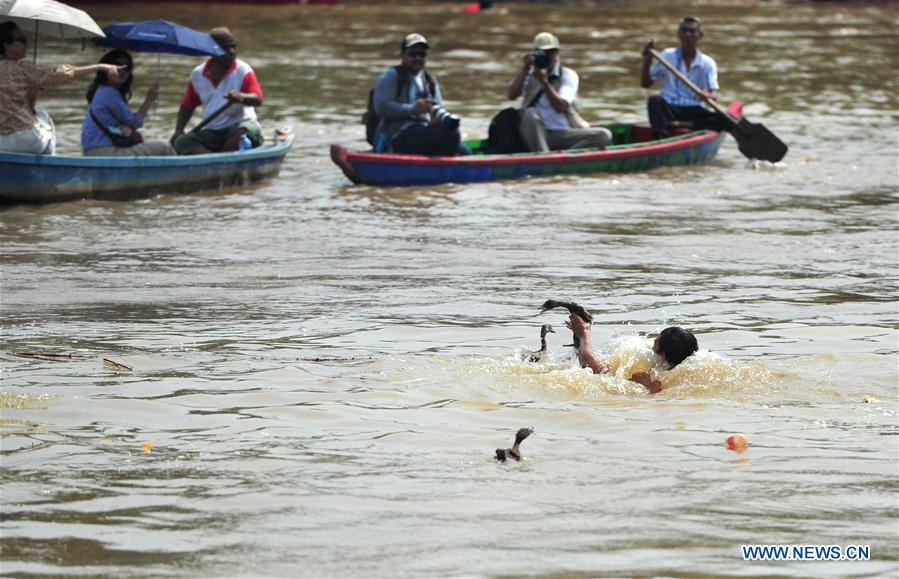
(423, 105)
(528, 61)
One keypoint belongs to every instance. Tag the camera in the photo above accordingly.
(541, 59)
(444, 117)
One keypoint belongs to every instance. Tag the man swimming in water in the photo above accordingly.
(673, 345)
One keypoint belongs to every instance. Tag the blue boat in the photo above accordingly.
(51, 178)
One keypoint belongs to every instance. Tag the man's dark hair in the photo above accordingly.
(7, 32)
(677, 344)
(691, 20)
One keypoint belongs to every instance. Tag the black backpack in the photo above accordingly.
(503, 136)
(371, 119)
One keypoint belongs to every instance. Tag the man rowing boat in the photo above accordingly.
(213, 84)
(678, 106)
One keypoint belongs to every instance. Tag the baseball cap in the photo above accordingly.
(546, 41)
(223, 36)
(414, 39)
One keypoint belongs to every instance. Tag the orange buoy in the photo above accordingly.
(147, 445)
(736, 442)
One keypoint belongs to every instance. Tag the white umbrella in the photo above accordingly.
(49, 17)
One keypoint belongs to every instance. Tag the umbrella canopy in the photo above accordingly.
(158, 36)
(50, 18)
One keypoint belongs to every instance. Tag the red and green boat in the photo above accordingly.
(632, 149)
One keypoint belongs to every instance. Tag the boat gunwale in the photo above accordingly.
(155, 161)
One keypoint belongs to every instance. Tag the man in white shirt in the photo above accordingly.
(549, 119)
(217, 82)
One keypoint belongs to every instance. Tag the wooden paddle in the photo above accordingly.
(753, 139)
(212, 117)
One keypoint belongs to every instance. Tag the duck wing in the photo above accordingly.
(572, 308)
(536, 356)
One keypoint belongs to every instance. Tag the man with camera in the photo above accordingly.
(410, 106)
(677, 106)
(549, 119)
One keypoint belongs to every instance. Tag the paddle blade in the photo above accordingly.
(757, 142)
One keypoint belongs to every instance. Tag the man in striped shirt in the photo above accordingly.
(677, 106)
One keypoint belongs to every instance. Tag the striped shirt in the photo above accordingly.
(703, 72)
(201, 90)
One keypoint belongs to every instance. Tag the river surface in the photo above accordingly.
(320, 372)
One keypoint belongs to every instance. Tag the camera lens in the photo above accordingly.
(451, 121)
(446, 118)
(541, 59)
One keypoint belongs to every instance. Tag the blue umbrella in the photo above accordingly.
(158, 36)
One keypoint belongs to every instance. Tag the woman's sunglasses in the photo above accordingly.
(418, 54)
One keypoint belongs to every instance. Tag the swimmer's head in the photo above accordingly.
(674, 345)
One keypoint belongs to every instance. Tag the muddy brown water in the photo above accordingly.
(322, 371)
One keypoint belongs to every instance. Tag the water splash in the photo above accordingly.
(705, 374)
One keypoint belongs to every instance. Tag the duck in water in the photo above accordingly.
(572, 308)
(538, 355)
(514, 452)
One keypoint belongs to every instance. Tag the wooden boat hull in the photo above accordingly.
(47, 179)
(638, 153)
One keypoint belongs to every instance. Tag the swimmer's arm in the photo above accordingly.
(588, 360)
(654, 386)
(585, 355)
